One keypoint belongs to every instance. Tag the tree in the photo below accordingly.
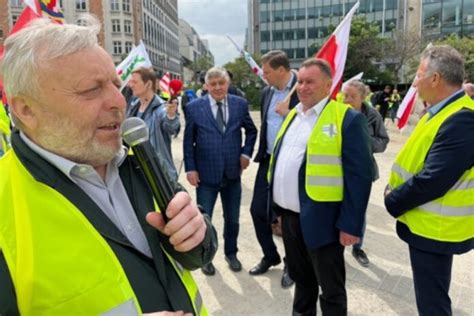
(246, 80)
(465, 46)
(200, 66)
(404, 47)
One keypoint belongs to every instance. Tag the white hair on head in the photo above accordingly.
(31, 49)
(216, 72)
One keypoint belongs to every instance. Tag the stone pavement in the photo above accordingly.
(384, 288)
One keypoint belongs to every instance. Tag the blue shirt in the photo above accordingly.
(274, 120)
(434, 109)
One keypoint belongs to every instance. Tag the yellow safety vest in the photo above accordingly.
(59, 263)
(4, 128)
(449, 218)
(324, 173)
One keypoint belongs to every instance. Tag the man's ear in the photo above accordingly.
(21, 108)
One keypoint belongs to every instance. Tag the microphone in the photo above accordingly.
(135, 134)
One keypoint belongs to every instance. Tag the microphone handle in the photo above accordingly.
(158, 181)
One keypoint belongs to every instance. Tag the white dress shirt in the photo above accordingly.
(291, 155)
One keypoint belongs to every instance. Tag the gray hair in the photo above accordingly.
(31, 50)
(216, 72)
(446, 61)
(360, 86)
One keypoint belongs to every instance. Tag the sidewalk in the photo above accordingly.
(385, 288)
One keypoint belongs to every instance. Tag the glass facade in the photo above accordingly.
(445, 17)
(298, 26)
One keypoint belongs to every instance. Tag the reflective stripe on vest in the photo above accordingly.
(324, 174)
(449, 218)
(59, 269)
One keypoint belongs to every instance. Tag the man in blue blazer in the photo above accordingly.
(214, 156)
(320, 180)
(281, 79)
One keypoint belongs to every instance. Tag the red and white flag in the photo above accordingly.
(165, 82)
(334, 50)
(406, 107)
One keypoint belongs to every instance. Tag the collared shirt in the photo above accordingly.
(109, 195)
(434, 109)
(291, 155)
(225, 108)
(274, 120)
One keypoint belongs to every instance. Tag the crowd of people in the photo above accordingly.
(80, 232)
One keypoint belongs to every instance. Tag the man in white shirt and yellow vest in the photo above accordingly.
(320, 177)
(78, 231)
(431, 186)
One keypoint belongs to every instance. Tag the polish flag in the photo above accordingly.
(334, 50)
(31, 11)
(406, 107)
(165, 82)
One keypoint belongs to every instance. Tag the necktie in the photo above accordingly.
(220, 117)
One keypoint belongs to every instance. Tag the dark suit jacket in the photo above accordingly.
(209, 151)
(450, 155)
(267, 94)
(153, 280)
(321, 222)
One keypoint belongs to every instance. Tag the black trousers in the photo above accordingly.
(262, 214)
(432, 277)
(313, 269)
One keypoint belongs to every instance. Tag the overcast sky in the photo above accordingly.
(213, 20)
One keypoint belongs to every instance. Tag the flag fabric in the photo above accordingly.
(248, 58)
(165, 82)
(406, 107)
(38, 8)
(356, 77)
(334, 50)
(137, 58)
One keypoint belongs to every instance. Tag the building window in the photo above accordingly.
(126, 5)
(80, 4)
(114, 5)
(127, 27)
(265, 36)
(115, 26)
(117, 48)
(14, 18)
(1, 33)
(15, 3)
(300, 53)
(128, 47)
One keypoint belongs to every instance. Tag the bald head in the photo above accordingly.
(469, 89)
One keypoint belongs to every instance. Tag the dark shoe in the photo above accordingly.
(263, 266)
(234, 263)
(361, 257)
(208, 269)
(286, 280)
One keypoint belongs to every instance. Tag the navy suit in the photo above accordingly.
(450, 155)
(314, 255)
(215, 155)
(262, 213)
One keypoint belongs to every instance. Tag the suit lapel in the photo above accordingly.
(207, 112)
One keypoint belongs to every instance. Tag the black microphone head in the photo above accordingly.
(134, 131)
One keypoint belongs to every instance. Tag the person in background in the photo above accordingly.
(380, 100)
(469, 89)
(232, 88)
(5, 129)
(78, 234)
(355, 93)
(395, 100)
(320, 176)
(431, 186)
(215, 155)
(281, 79)
(161, 119)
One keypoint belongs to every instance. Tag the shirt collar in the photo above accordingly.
(317, 109)
(213, 102)
(432, 110)
(67, 166)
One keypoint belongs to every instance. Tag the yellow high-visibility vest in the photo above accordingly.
(449, 218)
(59, 263)
(324, 173)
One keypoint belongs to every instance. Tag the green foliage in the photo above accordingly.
(465, 46)
(246, 80)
